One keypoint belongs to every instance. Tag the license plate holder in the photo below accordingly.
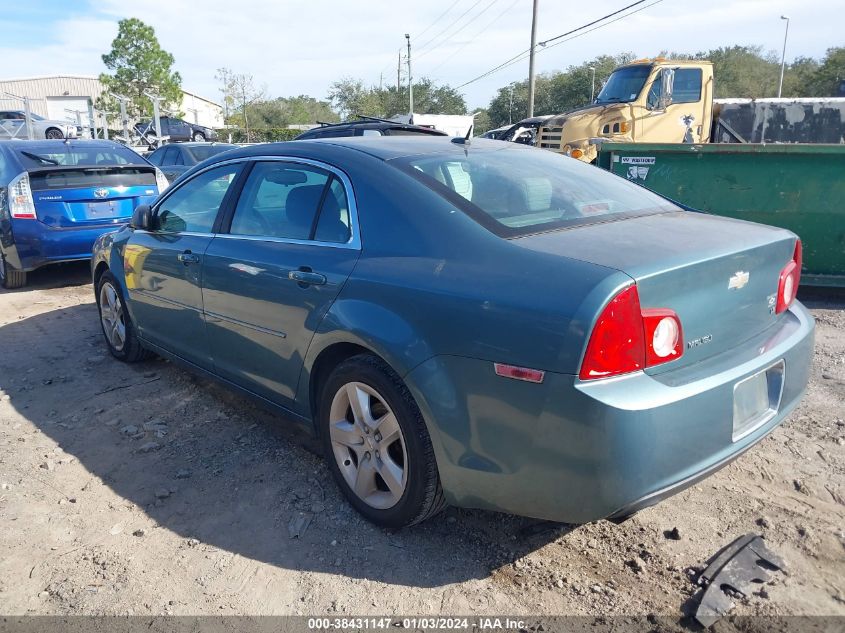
(99, 210)
(757, 400)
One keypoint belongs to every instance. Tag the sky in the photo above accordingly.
(301, 46)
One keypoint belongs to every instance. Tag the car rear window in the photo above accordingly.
(72, 155)
(518, 191)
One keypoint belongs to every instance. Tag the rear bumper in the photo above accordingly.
(574, 451)
(35, 244)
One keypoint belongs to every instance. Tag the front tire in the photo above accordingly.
(199, 137)
(10, 277)
(54, 134)
(118, 329)
(377, 444)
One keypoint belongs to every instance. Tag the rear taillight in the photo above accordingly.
(790, 277)
(627, 338)
(21, 204)
(161, 181)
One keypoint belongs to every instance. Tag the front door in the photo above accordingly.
(164, 267)
(682, 121)
(269, 281)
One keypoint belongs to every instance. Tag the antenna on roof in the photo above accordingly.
(464, 140)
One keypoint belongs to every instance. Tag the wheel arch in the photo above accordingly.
(357, 327)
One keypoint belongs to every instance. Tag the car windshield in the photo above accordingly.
(516, 191)
(77, 155)
(201, 152)
(624, 84)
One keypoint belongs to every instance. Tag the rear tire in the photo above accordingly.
(54, 134)
(391, 478)
(11, 278)
(118, 329)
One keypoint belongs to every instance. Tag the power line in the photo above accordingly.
(437, 19)
(470, 21)
(459, 18)
(467, 43)
(523, 55)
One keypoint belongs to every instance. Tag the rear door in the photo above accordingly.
(273, 273)
(164, 267)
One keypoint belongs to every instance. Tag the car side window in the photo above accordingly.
(280, 199)
(334, 223)
(193, 207)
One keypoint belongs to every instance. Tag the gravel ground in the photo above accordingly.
(146, 490)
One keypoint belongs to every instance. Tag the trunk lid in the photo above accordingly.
(719, 275)
(76, 197)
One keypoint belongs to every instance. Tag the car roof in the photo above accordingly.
(384, 148)
(47, 145)
(372, 124)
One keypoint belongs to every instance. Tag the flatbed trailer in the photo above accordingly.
(800, 187)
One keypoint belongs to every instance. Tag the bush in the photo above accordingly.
(259, 135)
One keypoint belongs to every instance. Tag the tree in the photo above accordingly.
(284, 111)
(827, 80)
(239, 93)
(351, 97)
(139, 65)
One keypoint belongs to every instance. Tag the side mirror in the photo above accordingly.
(668, 83)
(142, 218)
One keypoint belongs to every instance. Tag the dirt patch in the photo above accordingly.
(145, 490)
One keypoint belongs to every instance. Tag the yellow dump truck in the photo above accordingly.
(671, 101)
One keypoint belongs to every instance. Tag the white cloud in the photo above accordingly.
(298, 46)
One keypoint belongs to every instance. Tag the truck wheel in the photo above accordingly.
(377, 444)
(54, 133)
(11, 277)
(118, 328)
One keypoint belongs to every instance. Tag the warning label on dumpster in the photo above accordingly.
(638, 160)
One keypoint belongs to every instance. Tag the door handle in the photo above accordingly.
(307, 278)
(188, 258)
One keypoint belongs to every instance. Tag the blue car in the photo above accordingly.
(57, 197)
(474, 323)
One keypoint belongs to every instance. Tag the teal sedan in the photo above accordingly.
(467, 322)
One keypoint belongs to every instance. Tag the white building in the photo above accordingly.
(61, 97)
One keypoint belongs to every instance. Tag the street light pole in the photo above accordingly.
(593, 85)
(783, 56)
(410, 83)
(531, 60)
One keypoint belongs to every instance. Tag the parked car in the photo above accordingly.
(57, 197)
(368, 127)
(178, 130)
(174, 160)
(482, 324)
(495, 134)
(524, 132)
(13, 125)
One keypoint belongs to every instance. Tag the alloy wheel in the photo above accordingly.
(368, 445)
(111, 316)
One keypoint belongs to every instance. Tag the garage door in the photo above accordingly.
(63, 108)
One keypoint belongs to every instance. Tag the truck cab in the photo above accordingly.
(645, 101)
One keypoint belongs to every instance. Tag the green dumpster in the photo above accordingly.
(797, 187)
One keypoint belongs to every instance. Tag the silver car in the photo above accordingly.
(13, 125)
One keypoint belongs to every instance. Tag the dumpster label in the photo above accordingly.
(638, 160)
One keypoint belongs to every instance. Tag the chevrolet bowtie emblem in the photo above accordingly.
(739, 279)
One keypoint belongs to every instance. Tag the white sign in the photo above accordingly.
(638, 160)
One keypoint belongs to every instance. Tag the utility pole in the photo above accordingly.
(593, 85)
(124, 118)
(783, 56)
(531, 61)
(399, 73)
(510, 108)
(410, 83)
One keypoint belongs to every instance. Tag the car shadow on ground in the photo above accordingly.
(57, 276)
(208, 464)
